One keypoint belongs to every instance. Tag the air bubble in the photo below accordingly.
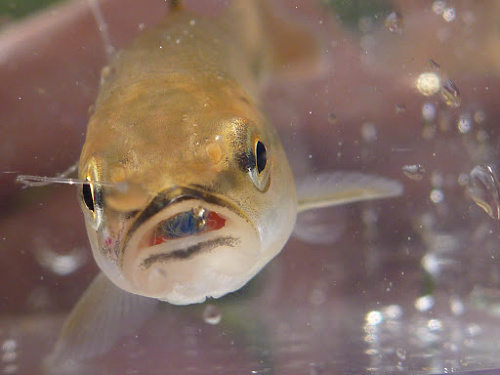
(429, 112)
(394, 23)
(435, 325)
(374, 317)
(428, 83)
(369, 132)
(332, 118)
(400, 108)
(415, 172)
(483, 189)
(436, 196)
(424, 303)
(212, 315)
(438, 7)
(401, 353)
(449, 14)
(451, 94)
(464, 123)
(60, 264)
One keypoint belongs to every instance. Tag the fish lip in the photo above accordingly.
(170, 197)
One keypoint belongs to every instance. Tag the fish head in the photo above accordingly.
(193, 212)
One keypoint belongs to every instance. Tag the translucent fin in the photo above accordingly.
(296, 49)
(102, 315)
(292, 49)
(331, 189)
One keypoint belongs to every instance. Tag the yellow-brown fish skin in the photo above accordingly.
(180, 108)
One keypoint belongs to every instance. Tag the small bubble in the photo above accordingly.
(394, 23)
(464, 123)
(192, 22)
(438, 7)
(437, 180)
(435, 325)
(400, 108)
(479, 117)
(429, 112)
(456, 306)
(60, 264)
(415, 172)
(178, 40)
(431, 264)
(392, 312)
(463, 179)
(449, 14)
(9, 345)
(10, 369)
(317, 297)
(428, 83)
(451, 94)
(474, 329)
(424, 303)
(482, 136)
(369, 132)
(332, 118)
(484, 190)
(436, 196)
(212, 314)
(401, 353)
(372, 352)
(373, 318)
(9, 356)
(141, 26)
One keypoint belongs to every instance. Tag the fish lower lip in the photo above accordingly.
(185, 253)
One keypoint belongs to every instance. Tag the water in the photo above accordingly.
(400, 286)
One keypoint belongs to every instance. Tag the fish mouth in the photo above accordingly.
(187, 245)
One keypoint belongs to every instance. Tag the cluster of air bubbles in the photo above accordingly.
(212, 314)
(483, 188)
(448, 13)
(394, 23)
(9, 356)
(431, 83)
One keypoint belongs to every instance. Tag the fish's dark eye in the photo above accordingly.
(260, 156)
(88, 196)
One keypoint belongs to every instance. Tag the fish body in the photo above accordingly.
(188, 191)
(178, 125)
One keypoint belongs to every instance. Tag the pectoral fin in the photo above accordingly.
(331, 189)
(102, 315)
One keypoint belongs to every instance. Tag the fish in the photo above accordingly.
(185, 186)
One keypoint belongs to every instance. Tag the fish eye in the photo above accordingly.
(260, 156)
(88, 196)
(258, 172)
(91, 193)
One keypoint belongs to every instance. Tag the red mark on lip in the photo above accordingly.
(214, 222)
